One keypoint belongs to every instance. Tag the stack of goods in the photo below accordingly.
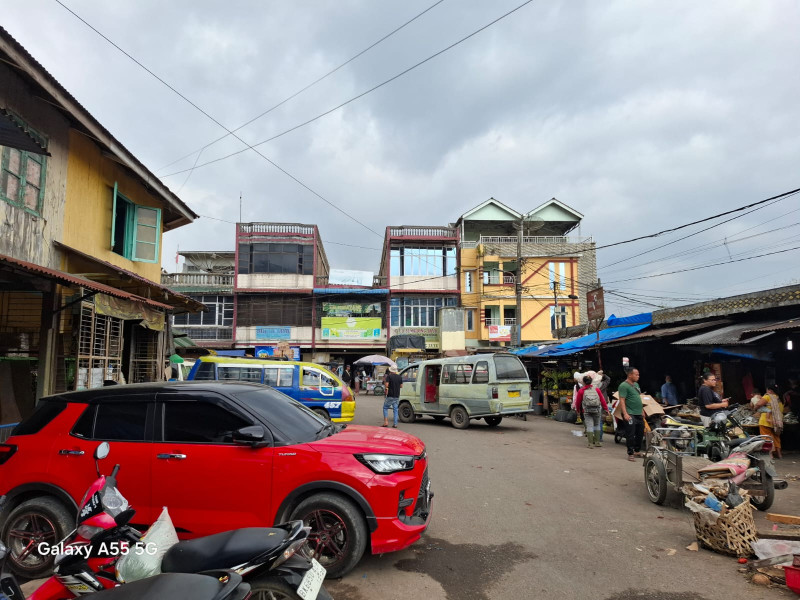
(723, 517)
(790, 419)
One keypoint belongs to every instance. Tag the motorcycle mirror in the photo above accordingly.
(124, 517)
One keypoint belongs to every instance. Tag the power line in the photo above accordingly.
(309, 86)
(727, 262)
(361, 95)
(270, 161)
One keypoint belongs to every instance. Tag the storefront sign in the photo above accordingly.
(500, 333)
(351, 328)
(595, 305)
(431, 334)
(342, 309)
(273, 333)
(270, 351)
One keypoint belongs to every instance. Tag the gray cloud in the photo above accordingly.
(641, 115)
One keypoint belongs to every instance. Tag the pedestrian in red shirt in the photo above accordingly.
(590, 400)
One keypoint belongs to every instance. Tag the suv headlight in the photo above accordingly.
(387, 463)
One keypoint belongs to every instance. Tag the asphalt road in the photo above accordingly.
(526, 511)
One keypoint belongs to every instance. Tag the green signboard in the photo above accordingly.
(351, 328)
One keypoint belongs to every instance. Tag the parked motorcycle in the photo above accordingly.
(715, 441)
(90, 556)
(213, 585)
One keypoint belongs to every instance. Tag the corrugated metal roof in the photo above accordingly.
(68, 279)
(725, 336)
(781, 326)
(661, 333)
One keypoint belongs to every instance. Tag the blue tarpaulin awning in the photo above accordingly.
(241, 352)
(586, 342)
(640, 319)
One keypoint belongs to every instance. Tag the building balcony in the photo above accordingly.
(499, 321)
(539, 240)
(423, 232)
(499, 280)
(204, 280)
(276, 228)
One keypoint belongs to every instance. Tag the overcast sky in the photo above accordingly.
(641, 115)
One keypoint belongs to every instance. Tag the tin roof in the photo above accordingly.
(661, 333)
(725, 336)
(780, 326)
(69, 279)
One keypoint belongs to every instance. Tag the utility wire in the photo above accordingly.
(270, 161)
(309, 86)
(361, 95)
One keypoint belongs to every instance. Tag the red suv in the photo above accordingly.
(220, 456)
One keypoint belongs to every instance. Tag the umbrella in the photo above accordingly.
(375, 359)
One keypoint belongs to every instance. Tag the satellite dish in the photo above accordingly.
(532, 224)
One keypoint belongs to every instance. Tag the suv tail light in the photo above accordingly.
(6, 452)
(495, 393)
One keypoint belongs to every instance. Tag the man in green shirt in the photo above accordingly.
(630, 401)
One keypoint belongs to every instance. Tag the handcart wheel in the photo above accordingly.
(765, 502)
(655, 477)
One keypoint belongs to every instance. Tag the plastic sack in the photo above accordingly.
(708, 516)
(773, 548)
(144, 559)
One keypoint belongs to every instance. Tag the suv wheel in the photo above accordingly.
(338, 535)
(459, 417)
(406, 412)
(30, 524)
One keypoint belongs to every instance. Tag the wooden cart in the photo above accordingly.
(670, 463)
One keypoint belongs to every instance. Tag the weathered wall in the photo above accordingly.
(24, 234)
(89, 207)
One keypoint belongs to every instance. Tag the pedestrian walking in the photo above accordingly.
(771, 420)
(347, 376)
(393, 384)
(669, 393)
(591, 401)
(630, 401)
(605, 380)
(708, 399)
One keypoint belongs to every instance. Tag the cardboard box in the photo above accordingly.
(650, 406)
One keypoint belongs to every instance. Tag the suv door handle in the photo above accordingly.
(168, 456)
(66, 452)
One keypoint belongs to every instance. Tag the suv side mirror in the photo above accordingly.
(253, 435)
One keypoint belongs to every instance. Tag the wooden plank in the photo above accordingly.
(779, 535)
(788, 519)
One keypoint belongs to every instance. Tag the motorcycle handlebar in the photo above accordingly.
(115, 471)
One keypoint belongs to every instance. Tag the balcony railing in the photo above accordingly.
(499, 321)
(197, 279)
(377, 281)
(284, 228)
(423, 231)
(498, 280)
(543, 239)
(204, 333)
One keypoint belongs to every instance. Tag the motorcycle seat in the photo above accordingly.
(175, 586)
(222, 550)
(736, 442)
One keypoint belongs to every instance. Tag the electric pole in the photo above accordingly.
(518, 283)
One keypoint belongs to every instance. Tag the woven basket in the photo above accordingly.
(731, 534)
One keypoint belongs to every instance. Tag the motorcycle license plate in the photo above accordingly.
(513, 394)
(312, 581)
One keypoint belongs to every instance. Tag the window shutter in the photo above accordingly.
(147, 229)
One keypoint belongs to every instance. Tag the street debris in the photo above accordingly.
(693, 547)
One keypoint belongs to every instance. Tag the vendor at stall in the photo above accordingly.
(770, 422)
(709, 400)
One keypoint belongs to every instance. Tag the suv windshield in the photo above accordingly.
(290, 421)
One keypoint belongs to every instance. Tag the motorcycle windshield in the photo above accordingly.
(112, 501)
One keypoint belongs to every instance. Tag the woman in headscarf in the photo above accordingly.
(771, 421)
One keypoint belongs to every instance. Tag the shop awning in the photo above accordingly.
(640, 319)
(730, 335)
(588, 341)
(184, 342)
(780, 326)
(653, 334)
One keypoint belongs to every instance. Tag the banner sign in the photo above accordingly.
(431, 334)
(347, 309)
(273, 333)
(500, 333)
(270, 351)
(351, 328)
(343, 277)
(595, 305)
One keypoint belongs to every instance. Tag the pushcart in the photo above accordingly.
(670, 463)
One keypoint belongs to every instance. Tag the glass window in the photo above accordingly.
(509, 367)
(84, 426)
(468, 281)
(315, 378)
(44, 414)
(200, 422)
(394, 263)
(251, 374)
(481, 372)
(290, 421)
(205, 372)
(22, 176)
(457, 373)
(410, 374)
(279, 376)
(470, 320)
(121, 421)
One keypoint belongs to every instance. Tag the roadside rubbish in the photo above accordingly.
(723, 521)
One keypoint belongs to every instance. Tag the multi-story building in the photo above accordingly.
(207, 277)
(420, 266)
(81, 224)
(557, 268)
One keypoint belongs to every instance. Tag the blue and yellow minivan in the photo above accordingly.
(313, 385)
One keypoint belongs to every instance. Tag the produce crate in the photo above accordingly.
(731, 534)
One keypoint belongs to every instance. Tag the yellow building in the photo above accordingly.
(557, 268)
(81, 224)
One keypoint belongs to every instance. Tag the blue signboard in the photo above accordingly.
(273, 333)
(269, 352)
